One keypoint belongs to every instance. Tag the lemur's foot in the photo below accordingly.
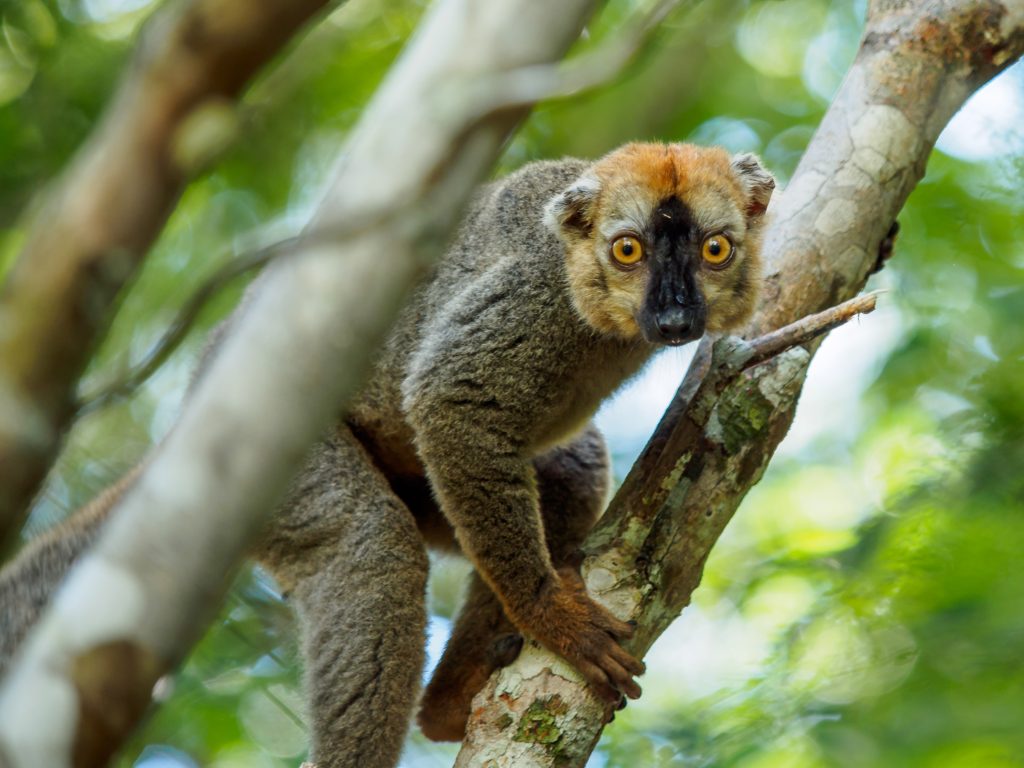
(446, 701)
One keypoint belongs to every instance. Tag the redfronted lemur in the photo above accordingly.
(473, 433)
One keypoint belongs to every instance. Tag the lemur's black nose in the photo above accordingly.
(676, 324)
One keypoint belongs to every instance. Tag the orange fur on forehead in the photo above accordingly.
(668, 170)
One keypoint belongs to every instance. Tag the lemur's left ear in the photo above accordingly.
(758, 182)
(571, 211)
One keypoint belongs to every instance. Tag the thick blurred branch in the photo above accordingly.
(101, 217)
(919, 61)
(131, 608)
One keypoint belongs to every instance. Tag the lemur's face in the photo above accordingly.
(663, 241)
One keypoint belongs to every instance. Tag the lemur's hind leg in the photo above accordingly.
(573, 485)
(352, 561)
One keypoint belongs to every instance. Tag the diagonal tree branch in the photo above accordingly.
(730, 358)
(101, 217)
(918, 62)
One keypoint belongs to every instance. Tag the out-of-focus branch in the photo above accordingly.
(919, 61)
(100, 218)
(182, 323)
(131, 608)
(528, 85)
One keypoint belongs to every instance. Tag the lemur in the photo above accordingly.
(473, 433)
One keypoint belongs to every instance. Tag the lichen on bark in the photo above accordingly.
(539, 723)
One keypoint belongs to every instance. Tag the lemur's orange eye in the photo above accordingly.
(717, 251)
(627, 250)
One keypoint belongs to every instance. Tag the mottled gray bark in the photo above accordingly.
(130, 610)
(918, 63)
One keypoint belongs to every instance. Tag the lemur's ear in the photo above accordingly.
(758, 182)
(571, 211)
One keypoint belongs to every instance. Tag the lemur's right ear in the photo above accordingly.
(571, 211)
(757, 182)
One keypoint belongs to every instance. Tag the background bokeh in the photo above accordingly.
(865, 607)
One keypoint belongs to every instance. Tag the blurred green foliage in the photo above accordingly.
(865, 608)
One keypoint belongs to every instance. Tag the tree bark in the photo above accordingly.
(98, 222)
(918, 62)
(131, 609)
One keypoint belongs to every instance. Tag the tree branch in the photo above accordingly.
(528, 85)
(918, 62)
(541, 692)
(808, 328)
(99, 220)
(176, 332)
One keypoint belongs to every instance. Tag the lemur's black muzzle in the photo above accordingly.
(678, 325)
(674, 310)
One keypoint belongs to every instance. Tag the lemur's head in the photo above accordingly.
(664, 240)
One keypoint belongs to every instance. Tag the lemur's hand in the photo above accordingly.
(567, 621)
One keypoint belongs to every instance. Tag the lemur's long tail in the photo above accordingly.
(28, 581)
